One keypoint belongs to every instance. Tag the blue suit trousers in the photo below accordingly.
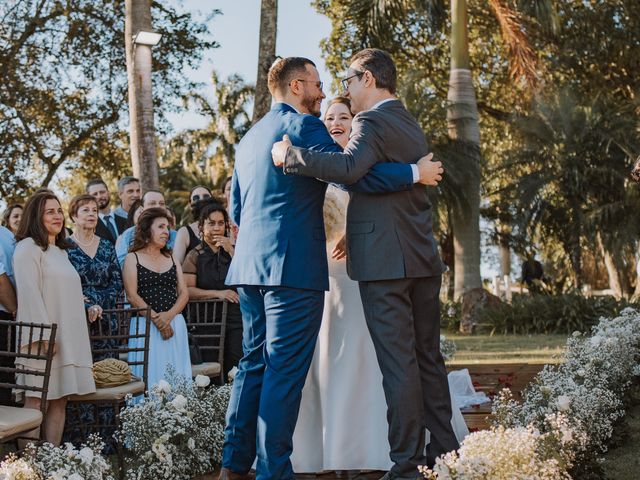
(280, 329)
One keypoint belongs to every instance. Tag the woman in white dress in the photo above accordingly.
(50, 291)
(342, 422)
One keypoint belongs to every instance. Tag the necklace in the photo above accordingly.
(83, 244)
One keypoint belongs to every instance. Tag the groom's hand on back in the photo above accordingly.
(430, 171)
(279, 151)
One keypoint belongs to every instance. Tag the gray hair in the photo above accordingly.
(124, 181)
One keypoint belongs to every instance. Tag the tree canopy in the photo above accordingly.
(63, 91)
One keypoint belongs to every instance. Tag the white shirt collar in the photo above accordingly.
(383, 101)
(102, 215)
(288, 104)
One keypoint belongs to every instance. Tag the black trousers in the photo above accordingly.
(5, 393)
(403, 317)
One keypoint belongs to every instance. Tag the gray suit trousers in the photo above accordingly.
(403, 317)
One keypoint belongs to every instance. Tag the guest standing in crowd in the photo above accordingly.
(109, 225)
(188, 236)
(150, 199)
(129, 192)
(205, 270)
(153, 279)
(11, 217)
(8, 305)
(49, 291)
(94, 258)
(226, 193)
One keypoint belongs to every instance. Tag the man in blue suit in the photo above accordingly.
(280, 266)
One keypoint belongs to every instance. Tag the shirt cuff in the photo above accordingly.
(416, 173)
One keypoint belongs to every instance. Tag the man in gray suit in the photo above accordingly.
(391, 252)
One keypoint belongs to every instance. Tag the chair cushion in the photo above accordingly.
(208, 369)
(15, 420)
(111, 393)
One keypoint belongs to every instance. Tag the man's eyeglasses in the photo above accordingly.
(318, 84)
(345, 81)
(204, 196)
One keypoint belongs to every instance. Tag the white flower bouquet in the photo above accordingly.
(47, 462)
(506, 454)
(176, 431)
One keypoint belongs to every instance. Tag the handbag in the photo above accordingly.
(111, 372)
(195, 353)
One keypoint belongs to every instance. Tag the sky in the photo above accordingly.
(300, 29)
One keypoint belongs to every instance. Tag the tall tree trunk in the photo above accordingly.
(504, 249)
(615, 282)
(616, 268)
(462, 119)
(266, 56)
(142, 129)
(636, 293)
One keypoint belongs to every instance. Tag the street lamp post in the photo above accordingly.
(139, 39)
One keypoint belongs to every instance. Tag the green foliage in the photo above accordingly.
(205, 156)
(450, 316)
(545, 314)
(64, 85)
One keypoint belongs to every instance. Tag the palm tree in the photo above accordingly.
(142, 130)
(576, 192)
(266, 56)
(205, 156)
(462, 110)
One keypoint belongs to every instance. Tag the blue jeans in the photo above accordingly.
(280, 328)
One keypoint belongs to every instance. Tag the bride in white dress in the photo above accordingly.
(342, 422)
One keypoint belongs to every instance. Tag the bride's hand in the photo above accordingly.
(340, 250)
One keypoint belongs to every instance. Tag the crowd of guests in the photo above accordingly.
(54, 272)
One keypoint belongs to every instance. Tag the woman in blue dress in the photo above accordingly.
(94, 259)
(153, 279)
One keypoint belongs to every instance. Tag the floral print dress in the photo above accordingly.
(102, 285)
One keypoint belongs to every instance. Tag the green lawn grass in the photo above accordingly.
(483, 349)
(622, 461)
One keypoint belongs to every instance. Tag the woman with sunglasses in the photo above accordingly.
(188, 237)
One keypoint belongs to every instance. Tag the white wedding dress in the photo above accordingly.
(342, 422)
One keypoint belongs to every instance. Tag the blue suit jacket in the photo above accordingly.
(281, 240)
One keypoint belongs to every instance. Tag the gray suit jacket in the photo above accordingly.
(389, 236)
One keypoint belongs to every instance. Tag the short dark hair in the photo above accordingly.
(31, 225)
(197, 207)
(143, 230)
(210, 208)
(124, 181)
(151, 191)
(79, 201)
(283, 71)
(381, 66)
(95, 181)
(132, 211)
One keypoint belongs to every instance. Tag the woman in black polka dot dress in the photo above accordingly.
(152, 278)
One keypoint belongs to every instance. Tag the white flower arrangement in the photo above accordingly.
(177, 430)
(448, 348)
(47, 462)
(566, 416)
(14, 468)
(504, 454)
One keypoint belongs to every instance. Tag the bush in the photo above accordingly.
(549, 314)
(450, 316)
